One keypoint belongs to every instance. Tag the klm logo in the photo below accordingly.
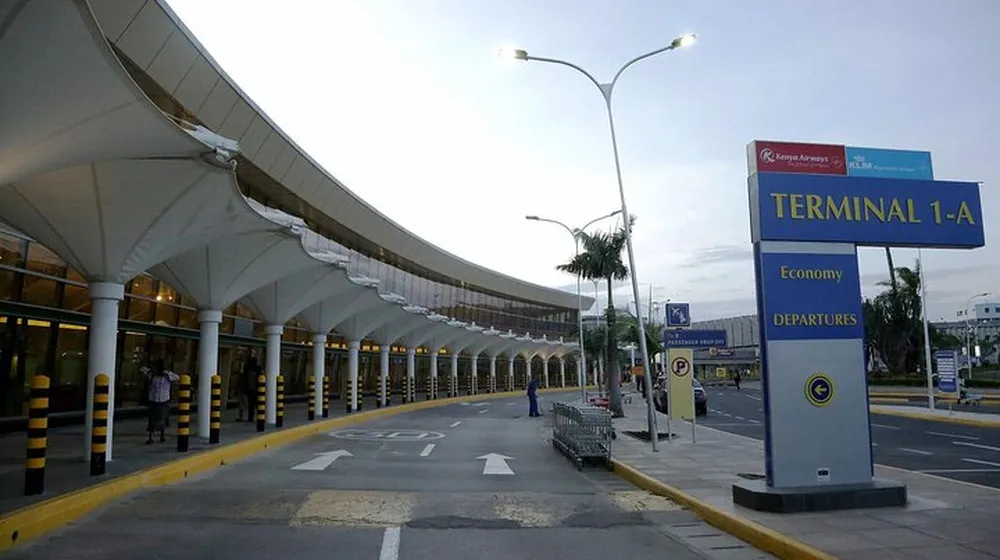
(860, 163)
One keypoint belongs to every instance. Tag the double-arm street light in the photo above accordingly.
(968, 329)
(576, 233)
(607, 89)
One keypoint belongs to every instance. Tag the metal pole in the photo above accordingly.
(582, 373)
(927, 339)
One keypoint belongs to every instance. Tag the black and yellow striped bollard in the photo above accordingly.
(311, 410)
(99, 425)
(326, 397)
(215, 416)
(348, 394)
(361, 391)
(407, 394)
(184, 413)
(279, 416)
(38, 427)
(430, 389)
(261, 401)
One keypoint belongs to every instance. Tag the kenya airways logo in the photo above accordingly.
(767, 156)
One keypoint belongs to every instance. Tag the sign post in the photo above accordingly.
(947, 366)
(810, 207)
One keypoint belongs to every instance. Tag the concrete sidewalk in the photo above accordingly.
(944, 520)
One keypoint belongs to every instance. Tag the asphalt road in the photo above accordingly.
(967, 453)
(411, 487)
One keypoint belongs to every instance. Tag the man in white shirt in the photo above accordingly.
(160, 381)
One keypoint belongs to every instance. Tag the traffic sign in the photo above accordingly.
(694, 338)
(680, 366)
(819, 389)
(678, 315)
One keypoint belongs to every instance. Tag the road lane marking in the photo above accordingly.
(978, 445)
(390, 544)
(726, 414)
(981, 462)
(737, 417)
(753, 397)
(484, 411)
(752, 421)
(427, 450)
(942, 434)
(456, 423)
(917, 451)
(947, 471)
(322, 461)
(885, 426)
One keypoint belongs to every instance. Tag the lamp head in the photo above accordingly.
(535, 218)
(510, 53)
(684, 41)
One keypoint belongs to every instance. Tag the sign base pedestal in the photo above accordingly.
(756, 495)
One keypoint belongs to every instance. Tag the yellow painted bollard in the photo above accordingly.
(347, 395)
(279, 417)
(326, 397)
(261, 401)
(99, 425)
(38, 428)
(311, 410)
(184, 413)
(215, 416)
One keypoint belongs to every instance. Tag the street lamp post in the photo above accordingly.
(582, 375)
(607, 89)
(968, 330)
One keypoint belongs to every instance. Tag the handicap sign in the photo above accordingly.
(678, 315)
(819, 389)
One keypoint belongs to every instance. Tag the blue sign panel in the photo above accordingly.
(947, 370)
(678, 315)
(867, 211)
(889, 164)
(811, 296)
(694, 339)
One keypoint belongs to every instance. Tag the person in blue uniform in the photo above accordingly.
(533, 398)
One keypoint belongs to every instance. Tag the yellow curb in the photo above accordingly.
(989, 398)
(756, 534)
(980, 423)
(29, 522)
(886, 400)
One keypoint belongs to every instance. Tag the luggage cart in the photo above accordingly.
(582, 432)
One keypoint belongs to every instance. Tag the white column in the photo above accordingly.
(434, 373)
(352, 367)
(493, 374)
(545, 371)
(208, 363)
(510, 372)
(104, 300)
(454, 373)
(474, 374)
(319, 369)
(273, 357)
(562, 372)
(632, 355)
(411, 370)
(384, 377)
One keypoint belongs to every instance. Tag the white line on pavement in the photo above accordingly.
(456, 423)
(753, 397)
(942, 434)
(752, 421)
(427, 450)
(390, 544)
(981, 462)
(946, 471)
(885, 426)
(485, 410)
(726, 414)
(874, 444)
(736, 417)
(917, 451)
(979, 445)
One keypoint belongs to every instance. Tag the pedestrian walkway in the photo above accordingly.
(944, 520)
(940, 414)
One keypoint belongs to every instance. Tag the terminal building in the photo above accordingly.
(150, 210)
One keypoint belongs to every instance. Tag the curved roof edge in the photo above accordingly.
(156, 40)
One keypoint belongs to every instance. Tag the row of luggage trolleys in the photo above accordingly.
(582, 432)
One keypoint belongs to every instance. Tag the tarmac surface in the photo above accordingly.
(966, 453)
(474, 480)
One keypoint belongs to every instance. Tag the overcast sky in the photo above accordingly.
(406, 103)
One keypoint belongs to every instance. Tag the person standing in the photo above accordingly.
(737, 378)
(533, 398)
(160, 380)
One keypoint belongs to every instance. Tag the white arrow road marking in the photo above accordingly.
(979, 445)
(322, 461)
(496, 464)
(390, 544)
(427, 450)
(456, 423)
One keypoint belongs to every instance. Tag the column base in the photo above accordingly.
(756, 495)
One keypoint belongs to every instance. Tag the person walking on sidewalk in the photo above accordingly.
(533, 398)
(736, 379)
(160, 380)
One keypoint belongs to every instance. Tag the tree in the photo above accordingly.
(893, 323)
(601, 258)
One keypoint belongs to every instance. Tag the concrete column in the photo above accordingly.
(352, 367)
(273, 367)
(411, 370)
(510, 373)
(103, 332)
(434, 373)
(545, 372)
(384, 374)
(454, 374)
(493, 374)
(632, 355)
(562, 372)
(474, 374)
(319, 369)
(208, 364)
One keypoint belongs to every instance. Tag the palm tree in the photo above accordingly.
(602, 258)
